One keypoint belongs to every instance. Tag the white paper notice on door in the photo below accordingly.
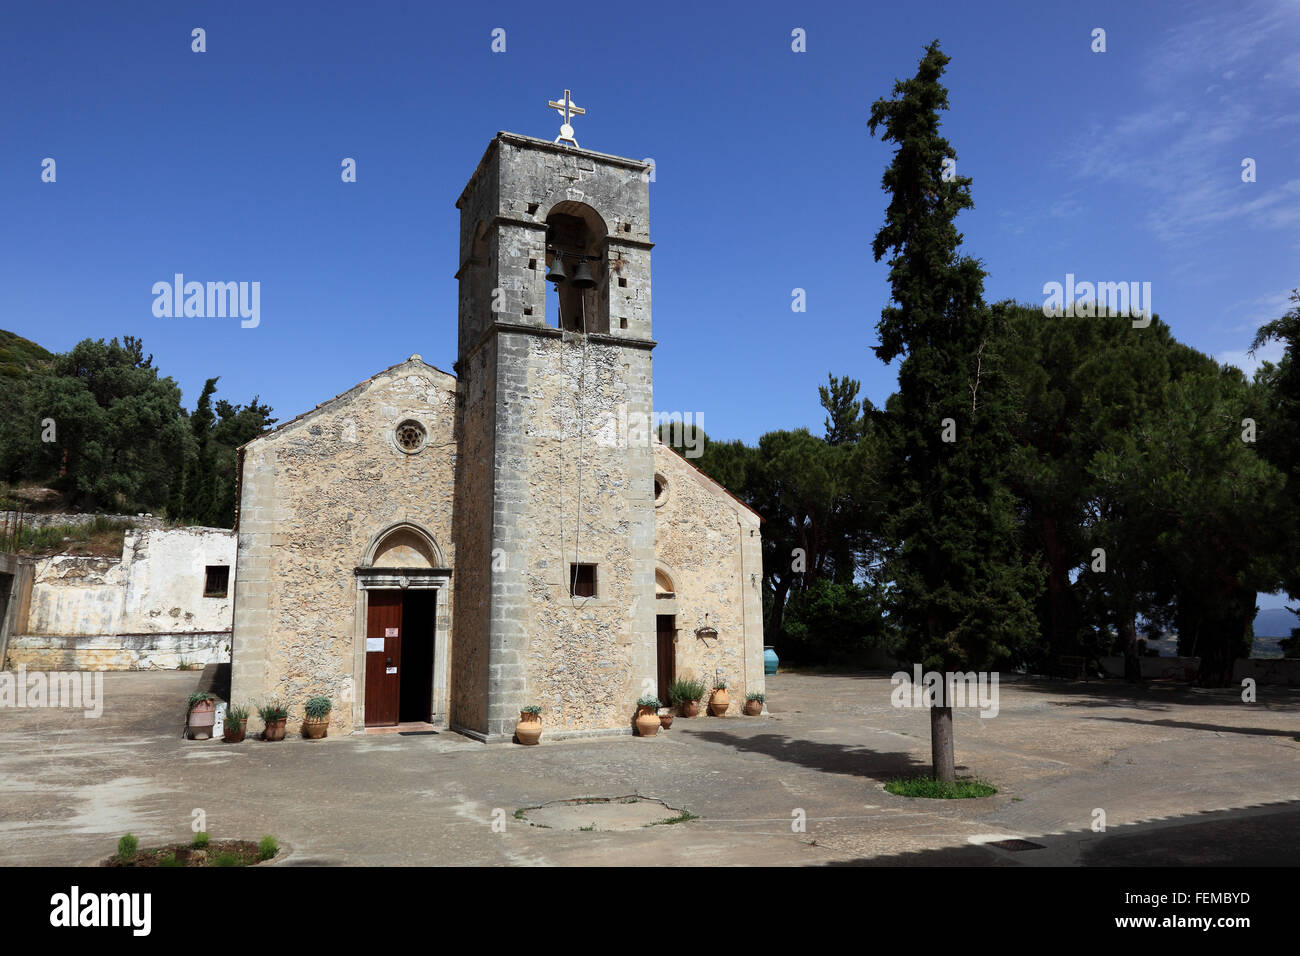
(374, 643)
(391, 670)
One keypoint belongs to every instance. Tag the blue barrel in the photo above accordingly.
(770, 661)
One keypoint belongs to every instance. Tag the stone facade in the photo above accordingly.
(530, 469)
(709, 562)
(321, 496)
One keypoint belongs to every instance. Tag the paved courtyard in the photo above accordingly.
(1184, 777)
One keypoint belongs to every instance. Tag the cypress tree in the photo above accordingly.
(961, 591)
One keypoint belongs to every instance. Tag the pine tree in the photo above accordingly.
(962, 593)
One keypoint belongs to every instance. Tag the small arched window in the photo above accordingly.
(661, 490)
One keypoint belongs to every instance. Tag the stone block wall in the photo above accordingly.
(472, 581)
(710, 547)
(316, 495)
(570, 490)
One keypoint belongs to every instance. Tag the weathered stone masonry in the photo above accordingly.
(528, 470)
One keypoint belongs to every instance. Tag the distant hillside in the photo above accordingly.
(19, 358)
(1275, 622)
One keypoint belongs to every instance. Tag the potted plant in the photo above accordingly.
(754, 704)
(686, 694)
(665, 717)
(236, 720)
(316, 718)
(647, 716)
(719, 702)
(201, 715)
(528, 731)
(273, 714)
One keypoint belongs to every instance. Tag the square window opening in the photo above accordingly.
(582, 580)
(216, 580)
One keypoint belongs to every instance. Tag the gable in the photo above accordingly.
(413, 368)
(668, 460)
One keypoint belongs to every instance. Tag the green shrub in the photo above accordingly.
(272, 710)
(267, 848)
(236, 715)
(648, 700)
(199, 697)
(832, 622)
(758, 696)
(127, 846)
(720, 685)
(169, 860)
(317, 708)
(533, 709)
(51, 536)
(228, 859)
(201, 840)
(685, 691)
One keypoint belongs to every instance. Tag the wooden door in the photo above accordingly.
(383, 663)
(666, 628)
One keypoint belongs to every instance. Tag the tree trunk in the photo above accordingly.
(941, 754)
(780, 590)
(1060, 632)
(1132, 663)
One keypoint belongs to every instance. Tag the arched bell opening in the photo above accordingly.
(576, 268)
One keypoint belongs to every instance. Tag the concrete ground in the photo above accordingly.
(1184, 777)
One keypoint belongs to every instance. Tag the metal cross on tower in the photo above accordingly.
(568, 110)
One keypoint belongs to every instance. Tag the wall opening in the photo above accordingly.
(216, 581)
(576, 239)
(582, 580)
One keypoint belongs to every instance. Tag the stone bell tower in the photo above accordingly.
(554, 516)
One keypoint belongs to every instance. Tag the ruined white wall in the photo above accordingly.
(77, 596)
(155, 587)
(166, 572)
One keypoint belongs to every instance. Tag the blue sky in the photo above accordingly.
(1115, 166)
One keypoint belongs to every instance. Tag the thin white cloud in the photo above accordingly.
(1188, 165)
(1269, 352)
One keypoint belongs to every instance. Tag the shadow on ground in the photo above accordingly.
(827, 758)
(1151, 695)
(1263, 835)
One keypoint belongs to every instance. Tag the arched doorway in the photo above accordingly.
(402, 627)
(665, 632)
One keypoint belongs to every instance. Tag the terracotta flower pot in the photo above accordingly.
(274, 729)
(528, 731)
(647, 721)
(233, 733)
(665, 721)
(753, 708)
(691, 708)
(315, 729)
(719, 703)
(202, 717)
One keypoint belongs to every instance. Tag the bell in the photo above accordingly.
(556, 272)
(583, 279)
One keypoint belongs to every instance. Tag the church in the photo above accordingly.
(441, 550)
